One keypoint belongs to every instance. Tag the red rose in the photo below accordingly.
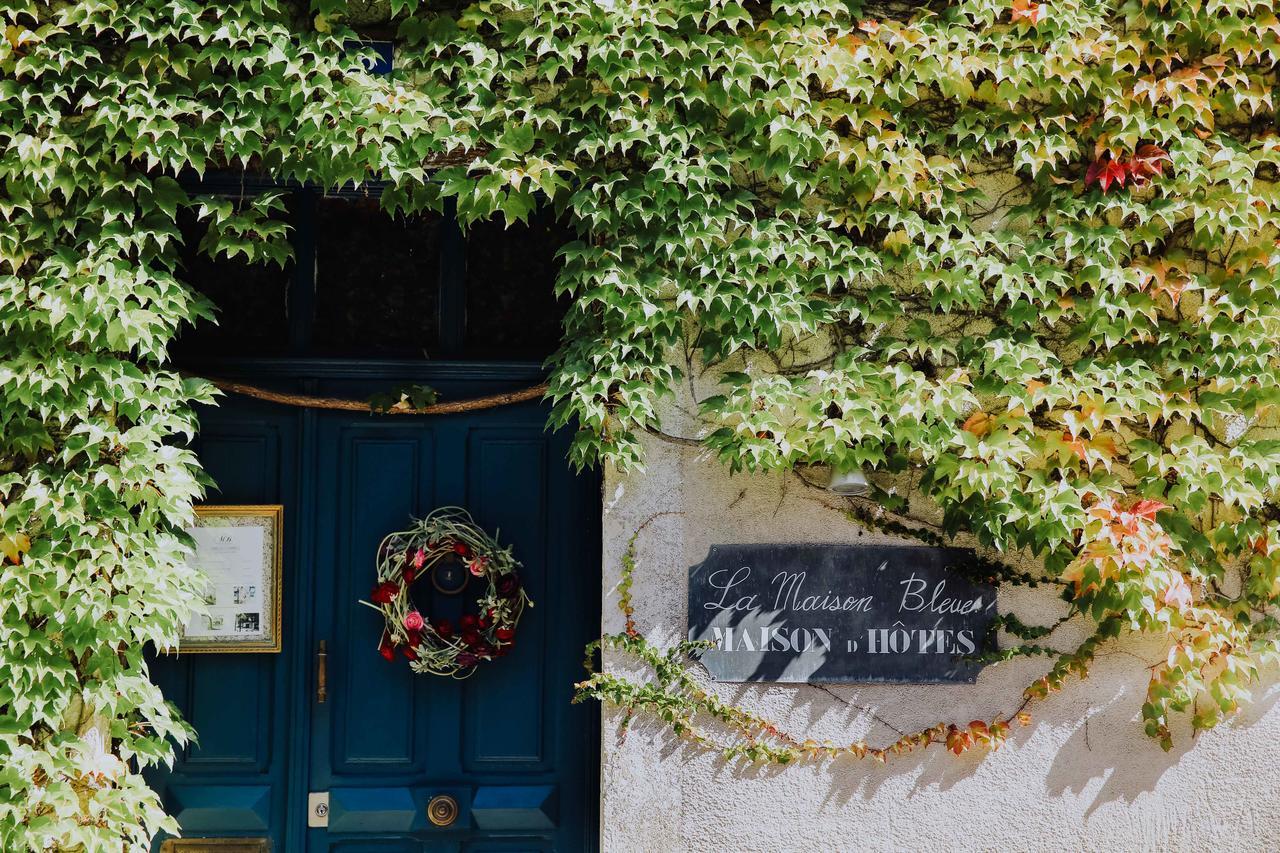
(385, 592)
(410, 652)
(461, 549)
(468, 620)
(386, 648)
(486, 620)
(444, 628)
(470, 637)
(508, 585)
(415, 638)
(505, 635)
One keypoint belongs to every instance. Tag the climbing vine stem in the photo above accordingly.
(669, 689)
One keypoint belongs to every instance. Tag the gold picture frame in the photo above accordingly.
(239, 550)
(216, 845)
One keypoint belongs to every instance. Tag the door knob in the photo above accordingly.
(442, 810)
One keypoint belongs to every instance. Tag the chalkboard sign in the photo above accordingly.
(831, 613)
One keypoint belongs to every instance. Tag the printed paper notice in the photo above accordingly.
(231, 559)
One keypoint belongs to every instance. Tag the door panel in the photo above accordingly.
(508, 486)
(377, 716)
(234, 725)
(231, 780)
(506, 743)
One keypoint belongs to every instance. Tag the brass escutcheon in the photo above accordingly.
(449, 576)
(442, 810)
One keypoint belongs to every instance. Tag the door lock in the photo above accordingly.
(318, 809)
(442, 810)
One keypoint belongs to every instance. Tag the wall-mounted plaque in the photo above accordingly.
(840, 613)
(238, 550)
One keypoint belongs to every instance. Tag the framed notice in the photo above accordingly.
(237, 548)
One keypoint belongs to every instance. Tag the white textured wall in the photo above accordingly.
(1083, 776)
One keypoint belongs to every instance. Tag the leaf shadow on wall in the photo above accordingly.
(1086, 743)
(1108, 753)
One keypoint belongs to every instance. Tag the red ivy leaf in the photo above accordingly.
(1148, 508)
(1150, 158)
(1148, 161)
(1115, 172)
(1095, 171)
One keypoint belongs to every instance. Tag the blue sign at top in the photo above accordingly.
(378, 55)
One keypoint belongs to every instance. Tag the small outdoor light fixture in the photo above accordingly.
(850, 482)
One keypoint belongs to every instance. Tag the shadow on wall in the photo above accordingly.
(1091, 733)
(1119, 761)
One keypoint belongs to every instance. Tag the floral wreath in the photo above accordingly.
(436, 645)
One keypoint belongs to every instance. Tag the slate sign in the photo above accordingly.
(832, 613)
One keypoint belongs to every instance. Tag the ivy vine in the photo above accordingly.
(1021, 254)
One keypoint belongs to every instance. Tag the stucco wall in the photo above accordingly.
(1081, 777)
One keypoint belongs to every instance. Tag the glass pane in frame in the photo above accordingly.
(377, 281)
(238, 549)
(512, 310)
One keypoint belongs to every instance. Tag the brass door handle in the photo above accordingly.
(322, 673)
(442, 810)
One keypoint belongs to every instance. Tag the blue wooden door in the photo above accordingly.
(506, 744)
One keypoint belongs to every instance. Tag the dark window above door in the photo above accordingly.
(377, 282)
(253, 298)
(364, 284)
(511, 309)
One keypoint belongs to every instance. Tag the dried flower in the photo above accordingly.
(385, 592)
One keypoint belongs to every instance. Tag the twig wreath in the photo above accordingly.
(436, 645)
